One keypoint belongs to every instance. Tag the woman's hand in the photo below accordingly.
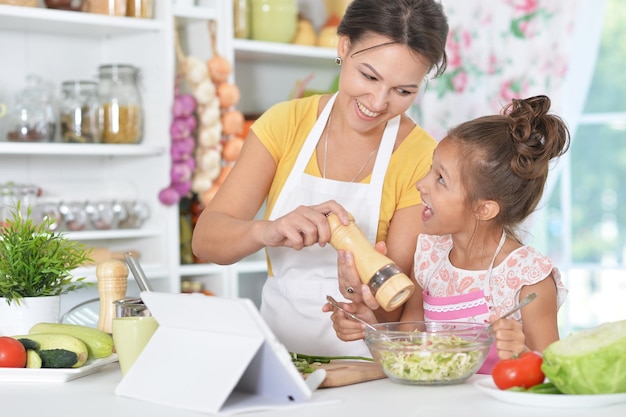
(510, 339)
(346, 328)
(304, 226)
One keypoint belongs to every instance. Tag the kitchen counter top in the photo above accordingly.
(93, 396)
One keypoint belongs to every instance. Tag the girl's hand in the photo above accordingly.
(346, 328)
(510, 339)
(302, 227)
(350, 284)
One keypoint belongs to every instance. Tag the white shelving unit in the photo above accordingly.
(267, 72)
(63, 45)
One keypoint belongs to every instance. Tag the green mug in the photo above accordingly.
(273, 20)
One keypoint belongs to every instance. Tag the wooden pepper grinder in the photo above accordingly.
(388, 283)
(112, 283)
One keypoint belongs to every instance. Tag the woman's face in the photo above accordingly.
(379, 83)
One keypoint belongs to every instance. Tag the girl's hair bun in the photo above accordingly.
(537, 136)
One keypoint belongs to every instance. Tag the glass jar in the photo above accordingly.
(32, 118)
(108, 7)
(11, 193)
(273, 20)
(79, 109)
(121, 111)
(241, 19)
(140, 8)
(71, 5)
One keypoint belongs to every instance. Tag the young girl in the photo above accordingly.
(486, 178)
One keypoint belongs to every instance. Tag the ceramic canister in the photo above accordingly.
(17, 319)
(273, 20)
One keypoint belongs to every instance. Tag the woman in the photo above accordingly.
(355, 151)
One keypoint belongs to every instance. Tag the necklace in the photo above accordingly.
(330, 119)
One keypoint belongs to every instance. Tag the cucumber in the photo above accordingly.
(51, 341)
(29, 344)
(99, 343)
(58, 358)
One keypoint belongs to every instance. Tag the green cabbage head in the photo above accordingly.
(590, 361)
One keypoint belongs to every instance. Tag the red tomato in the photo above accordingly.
(12, 353)
(522, 371)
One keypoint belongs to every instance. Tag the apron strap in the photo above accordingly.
(377, 180)
(305, 154)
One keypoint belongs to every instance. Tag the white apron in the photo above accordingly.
(292, 299)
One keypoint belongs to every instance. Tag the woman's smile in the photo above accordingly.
(365, 111)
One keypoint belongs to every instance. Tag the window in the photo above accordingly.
(582, 225)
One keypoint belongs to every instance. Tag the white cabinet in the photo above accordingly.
(63, 45)
(267, 72)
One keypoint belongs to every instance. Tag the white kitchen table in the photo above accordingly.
(93, 396)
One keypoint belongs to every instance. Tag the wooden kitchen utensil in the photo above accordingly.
(112, 283)
(388, 283)
(340, 373)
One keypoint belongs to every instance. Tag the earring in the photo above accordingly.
(338, 61)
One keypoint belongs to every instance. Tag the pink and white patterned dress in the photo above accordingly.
(454, 294)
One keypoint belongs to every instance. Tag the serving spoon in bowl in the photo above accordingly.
(524, 302)
(335, 304)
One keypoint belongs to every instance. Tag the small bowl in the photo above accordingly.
(429, 353)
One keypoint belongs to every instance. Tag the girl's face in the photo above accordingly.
(379, 83)
(443, 192)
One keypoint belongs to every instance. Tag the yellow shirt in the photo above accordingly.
(284, 128)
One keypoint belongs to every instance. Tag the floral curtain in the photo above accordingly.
(498, 50)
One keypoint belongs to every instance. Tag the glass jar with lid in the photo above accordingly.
(121, 110)
(79, 109)
(31, 119)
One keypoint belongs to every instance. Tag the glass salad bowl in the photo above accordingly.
(429, 353)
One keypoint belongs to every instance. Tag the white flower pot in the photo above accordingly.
(18, 319)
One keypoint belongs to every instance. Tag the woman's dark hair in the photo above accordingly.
(419, 24)
(506, 157)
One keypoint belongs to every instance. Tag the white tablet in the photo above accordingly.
(214, 355)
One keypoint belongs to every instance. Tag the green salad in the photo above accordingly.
(440, 359)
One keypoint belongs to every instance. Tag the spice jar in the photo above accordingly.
(108, 7)
(121, 112)
(13, 193)
(241, 19)
(32, 119)
(71, 5)
(79, 108)
(140, 8)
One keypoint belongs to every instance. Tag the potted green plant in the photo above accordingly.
(36, 267)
